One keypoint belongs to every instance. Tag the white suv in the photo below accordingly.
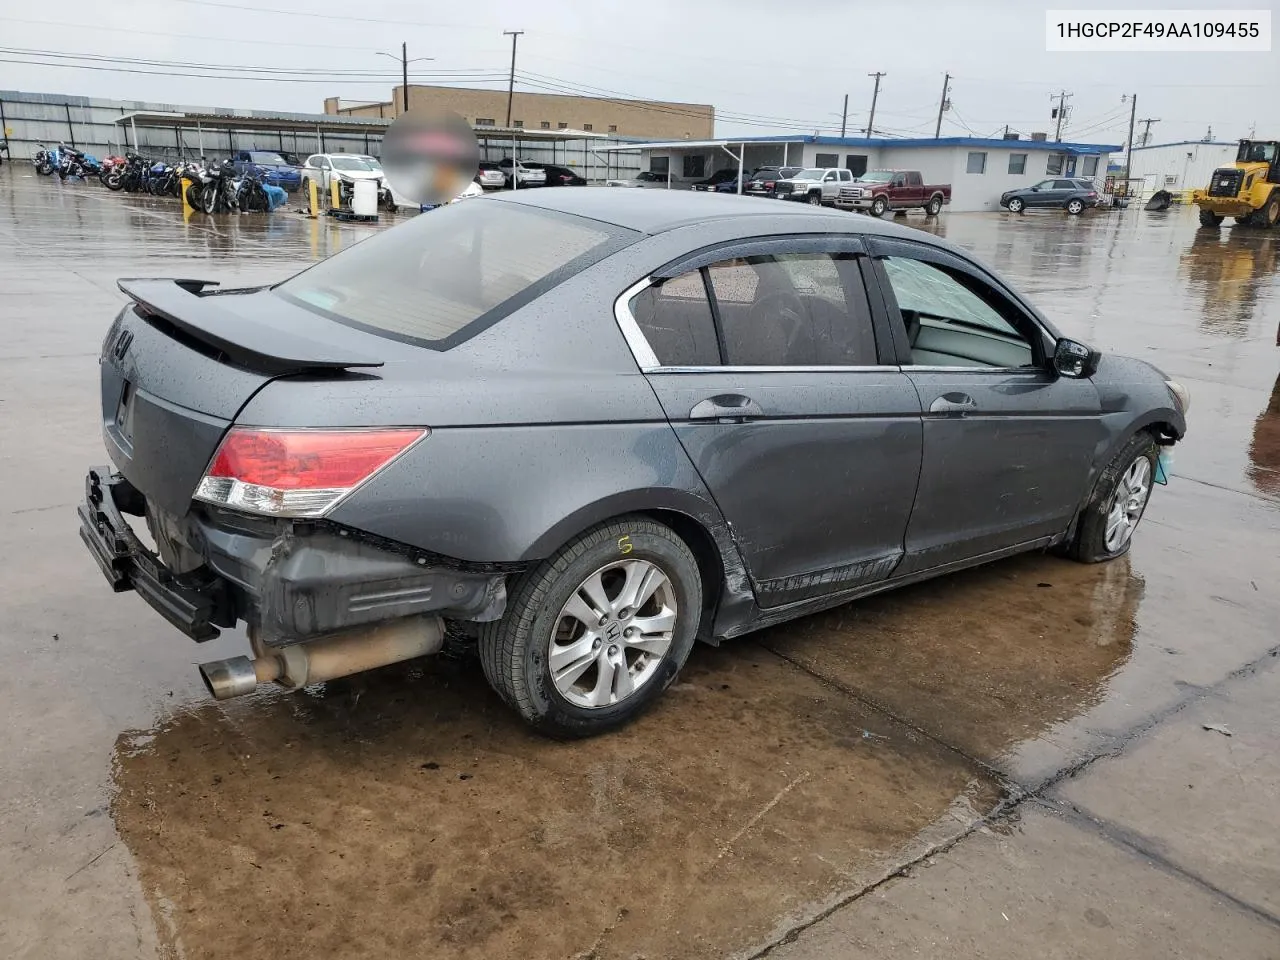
(526, 176)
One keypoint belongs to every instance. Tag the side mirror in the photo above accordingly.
(1075, 360)
(1035, 189)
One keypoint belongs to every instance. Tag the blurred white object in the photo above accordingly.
(473, 190)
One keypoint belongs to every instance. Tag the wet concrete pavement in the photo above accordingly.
(1009, 761)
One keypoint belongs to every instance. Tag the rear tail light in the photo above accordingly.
(298, 473)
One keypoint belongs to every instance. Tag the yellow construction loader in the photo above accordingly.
(1248, 191)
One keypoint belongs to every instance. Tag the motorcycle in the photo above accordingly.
(43, 160)
(111, 171)
(70, 162)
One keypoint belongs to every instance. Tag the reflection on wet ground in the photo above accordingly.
(407, 813)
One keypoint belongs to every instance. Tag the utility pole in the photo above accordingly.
(946, 85)
(404, 73)
(1128, 150)
(875, 95)
(1146, 129)
(844, 116)
(511, 82)
(1060, 113)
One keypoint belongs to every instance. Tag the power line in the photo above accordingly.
(330, 81)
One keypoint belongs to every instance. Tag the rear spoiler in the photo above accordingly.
(199, 314)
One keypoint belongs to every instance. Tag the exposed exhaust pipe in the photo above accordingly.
(325, 659)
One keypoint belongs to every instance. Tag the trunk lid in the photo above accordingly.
(180, 363)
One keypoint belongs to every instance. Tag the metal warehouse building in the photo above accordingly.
(1184, 165)
(978, 169)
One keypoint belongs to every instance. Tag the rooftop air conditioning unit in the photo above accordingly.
(1013, 136)
(1039, 136)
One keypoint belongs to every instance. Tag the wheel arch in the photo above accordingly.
(724, 578)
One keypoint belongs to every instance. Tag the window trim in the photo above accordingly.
(969, 163)
(1041, 353)
(698, 260)
(1017, 173)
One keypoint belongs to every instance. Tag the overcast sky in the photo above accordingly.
(775, 67)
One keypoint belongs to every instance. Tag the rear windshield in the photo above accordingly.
(447, 274)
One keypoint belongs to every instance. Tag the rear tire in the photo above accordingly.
(933, 207)
(1115, 498)
(1075, 207)
(1210, 219)
(517, 651)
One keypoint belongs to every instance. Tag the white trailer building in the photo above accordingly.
(1185, 165)
(978, 169)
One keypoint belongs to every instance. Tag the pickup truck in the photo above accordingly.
(881, 190)
(814, 185)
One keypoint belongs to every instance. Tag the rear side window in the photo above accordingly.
(675, 317)
(447, 274)
(793, 310)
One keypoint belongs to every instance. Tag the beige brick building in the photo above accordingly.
(547, 111)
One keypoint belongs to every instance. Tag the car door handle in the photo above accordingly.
(954, 403)
(726, 406)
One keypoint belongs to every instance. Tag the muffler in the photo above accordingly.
(328, 658)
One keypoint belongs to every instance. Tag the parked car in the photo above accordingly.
(764, 180)
(563, 176)
(725, 181)
(645, 178)
(323, 168)
(268, 166)
(490, 176)
(815, 185)
(321, 459)
(881, 190)
(1067, 193)
(526, 173)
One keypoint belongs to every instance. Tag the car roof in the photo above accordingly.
(657, 211)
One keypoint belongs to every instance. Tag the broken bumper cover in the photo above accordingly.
(291, 581)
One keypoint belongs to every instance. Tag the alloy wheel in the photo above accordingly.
(1127, 504)
(612, 633)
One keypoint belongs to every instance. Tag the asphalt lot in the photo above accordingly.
(1009, 762)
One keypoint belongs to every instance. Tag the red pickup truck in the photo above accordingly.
(881, 190)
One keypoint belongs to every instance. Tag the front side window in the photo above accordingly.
(430, 279)
(793, 310)
(952, 320)
(676, 320)
(1017, 163)
(1053, 165)
(977, 162)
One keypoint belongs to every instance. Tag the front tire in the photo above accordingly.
(1120, 497)
(815, 198)
(1017, 205)
(1210, 219)
(1269, 215)
(572, 655)
(878, 206)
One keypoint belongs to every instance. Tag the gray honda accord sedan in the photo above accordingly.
(580, 430)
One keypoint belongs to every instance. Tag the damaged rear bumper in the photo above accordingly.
(292, 581)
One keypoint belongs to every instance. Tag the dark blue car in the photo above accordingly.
(270, 166)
